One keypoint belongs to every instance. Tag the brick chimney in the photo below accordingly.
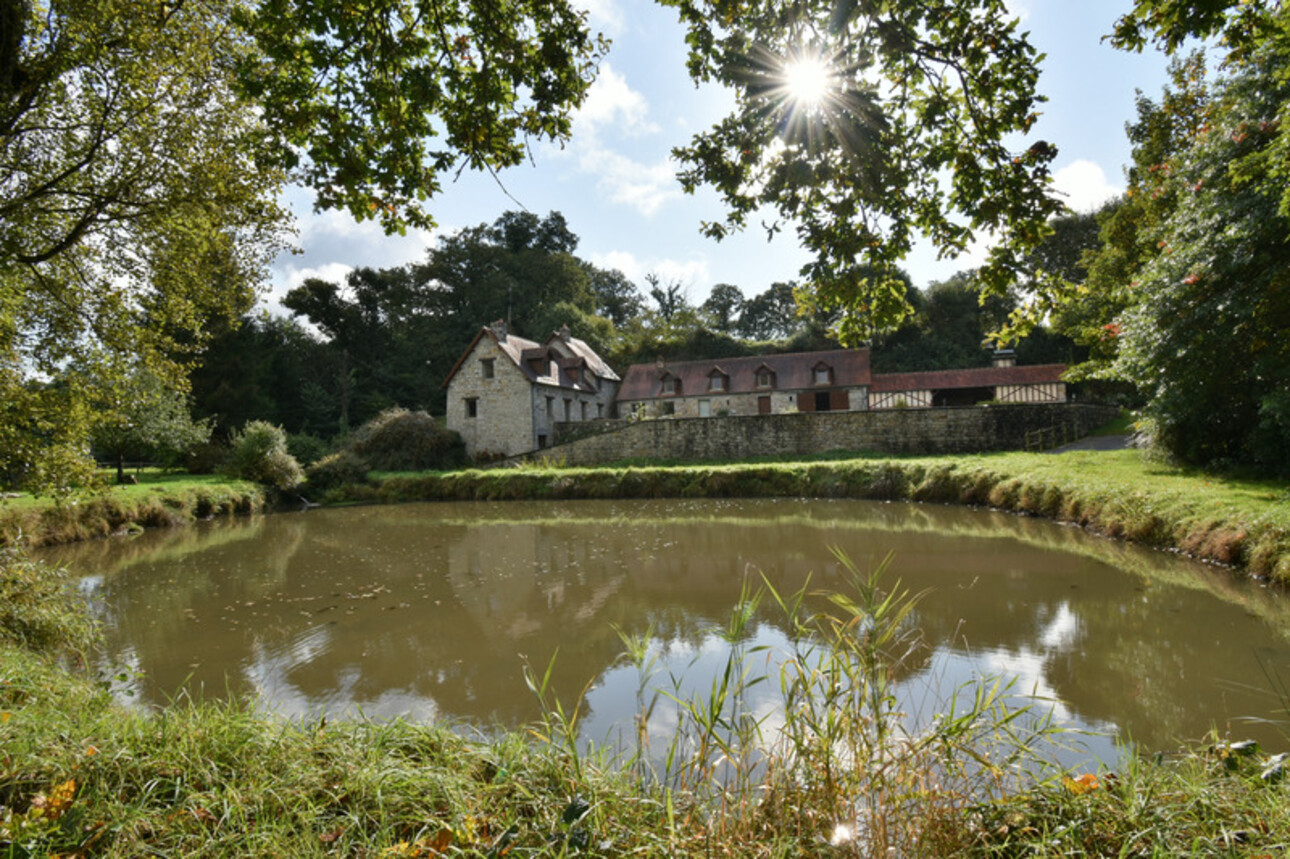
(499, 329)
(1004, 358)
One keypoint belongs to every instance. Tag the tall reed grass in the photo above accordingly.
(837, 767)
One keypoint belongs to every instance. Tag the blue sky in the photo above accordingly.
(615, 181)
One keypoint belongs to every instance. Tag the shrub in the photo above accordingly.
(258, 452)
(335, 470)
(36, 610)
(205, 458)
(401, 440)
(307, 448)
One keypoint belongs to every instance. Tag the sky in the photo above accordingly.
(615, 181)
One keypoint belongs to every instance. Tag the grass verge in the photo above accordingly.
(1243, 523)
(157, 501)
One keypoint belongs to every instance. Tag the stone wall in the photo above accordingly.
(503, 419)
(897, 431)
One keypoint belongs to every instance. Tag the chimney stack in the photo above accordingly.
(1005, 358)
(499, 329)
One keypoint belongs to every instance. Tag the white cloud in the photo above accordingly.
(688, 272)
(644, 187)
(1020, 9)
(606, 15)
(612, 102)
(1083, 185)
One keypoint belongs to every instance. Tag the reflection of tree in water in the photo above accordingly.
(158, 608)
(440, 603)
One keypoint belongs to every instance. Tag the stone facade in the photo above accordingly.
(506, 394)
(894, 431)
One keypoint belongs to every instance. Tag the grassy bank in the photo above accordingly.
(1242, 523)
(80, 776)
(157, 501)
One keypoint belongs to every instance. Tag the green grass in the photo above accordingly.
(158, 500)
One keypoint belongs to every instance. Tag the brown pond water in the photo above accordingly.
(429, 611)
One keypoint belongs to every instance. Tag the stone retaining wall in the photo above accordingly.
(897, 431)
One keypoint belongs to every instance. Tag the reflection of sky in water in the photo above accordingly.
(946, 686)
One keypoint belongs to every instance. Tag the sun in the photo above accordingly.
(808, 81)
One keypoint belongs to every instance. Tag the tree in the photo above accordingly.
(770, 314)
(948, 329)
(1203, 329)
(670, 298)
(723, 307)
(375, 329)
(143, 147)
(371, 104)
(152, 421)
(267, 368)
(617, 298)
(910, 136)
(132, 208)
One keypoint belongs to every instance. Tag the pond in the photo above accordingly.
(431, 611)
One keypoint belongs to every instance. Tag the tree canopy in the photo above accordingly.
(143, 147)
(911, 136)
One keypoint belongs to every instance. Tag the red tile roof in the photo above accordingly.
(976, 377)
(792, 372)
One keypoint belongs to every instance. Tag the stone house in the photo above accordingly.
(507, 393)
(838, 380)
(830, 381)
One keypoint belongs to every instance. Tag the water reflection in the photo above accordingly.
(430, 610)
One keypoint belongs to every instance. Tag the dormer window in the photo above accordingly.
(671, 385)
(718, 381)
(765, 377)
(822, 374)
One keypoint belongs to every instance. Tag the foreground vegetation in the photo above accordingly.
(841, 776)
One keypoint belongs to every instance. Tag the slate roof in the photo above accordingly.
(975, 377)
(555, 369)
(794, 371)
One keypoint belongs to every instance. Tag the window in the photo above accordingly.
(486, 367)
(600, 410)
(472, 407)
(667, 409)
(765, 378)
(568, 409)
(584, 410)
(705, 408)
(550, 408)
(823, 374)
(717, 382)
(541, 440)
(671, 385)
